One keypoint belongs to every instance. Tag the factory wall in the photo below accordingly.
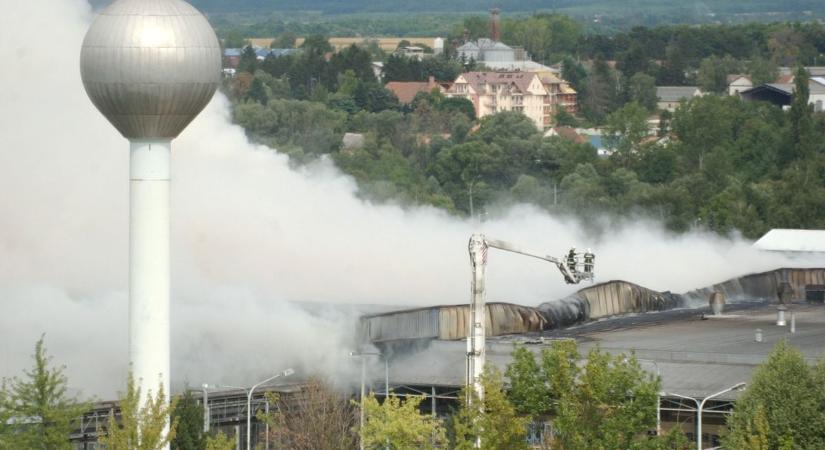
(764, 286)
(449, 322)
(612, 298)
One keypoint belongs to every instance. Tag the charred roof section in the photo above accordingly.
(609, 299)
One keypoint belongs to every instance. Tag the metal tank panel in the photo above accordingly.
(150, 66)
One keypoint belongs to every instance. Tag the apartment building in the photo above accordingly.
(562, 95)
(492, 92)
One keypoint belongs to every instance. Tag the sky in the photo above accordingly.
(252, 238)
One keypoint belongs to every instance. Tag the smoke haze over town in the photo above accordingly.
(251, 237)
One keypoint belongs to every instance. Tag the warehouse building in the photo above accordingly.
(697, 354)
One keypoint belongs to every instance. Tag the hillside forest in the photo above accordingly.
(716, 163)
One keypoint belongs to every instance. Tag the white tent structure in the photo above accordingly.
(792, 241)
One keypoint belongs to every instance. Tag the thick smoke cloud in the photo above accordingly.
(250, 237)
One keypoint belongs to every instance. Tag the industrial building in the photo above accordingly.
(675, 336)
(793, 242)
(226, 412)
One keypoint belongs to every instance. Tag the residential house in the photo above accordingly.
(492, 92)
(232, 56)
(814, 71)
(407, 90)
(671, 96)
(781, 94)
(411, 51)
(738, 83)
(563, 96)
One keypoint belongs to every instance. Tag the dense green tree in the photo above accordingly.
(441, 68)
(36, 411)
(316, 129)
(582, 190)
(731, 165)
(704, 125)
(642, 90)
(277, 66)
(316, 45)
(574, 73)
(674, 66)
(625, 130)
(234, 39)
(782, 404)
(492, 421)
(354, 59)
(802, 137)
(257, 92)
(529, 389)
(634, 60)
(399, 424)
(458, 105)
(657, 164)
(608, 403)
(473, 27)
(286, 39)
(189, 416)
(714, 71)
(374, 98)
(248, 61)
(400, 68)
(545, 36)
(601, 94)
(787, 46)
(142, 425)
(466, 171)
(565, 119)
(220, 441)
(762, 70)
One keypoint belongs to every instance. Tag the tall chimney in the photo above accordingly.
(150, 67)
(495, 30)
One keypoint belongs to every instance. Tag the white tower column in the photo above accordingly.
(476, 335)
(149, 264)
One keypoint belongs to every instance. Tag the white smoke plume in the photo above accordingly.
(251, 236)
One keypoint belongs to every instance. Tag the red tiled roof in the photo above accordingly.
(569, 133)
(785, 79)
(521, 80)
(407, 90)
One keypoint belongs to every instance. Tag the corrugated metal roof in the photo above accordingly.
(695, 357)
(789, 240)
(676, 93)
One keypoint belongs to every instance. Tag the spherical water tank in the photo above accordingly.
(150, 66)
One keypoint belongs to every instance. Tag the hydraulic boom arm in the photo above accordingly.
(573, 267)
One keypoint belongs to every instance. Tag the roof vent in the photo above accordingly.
(717, 303)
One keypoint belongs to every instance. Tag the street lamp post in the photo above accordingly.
(205, 407)
(700, 406)
(363, 383)
(285, 373)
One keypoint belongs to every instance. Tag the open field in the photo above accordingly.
(386, 43)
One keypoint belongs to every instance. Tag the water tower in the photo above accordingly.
(150, 66)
